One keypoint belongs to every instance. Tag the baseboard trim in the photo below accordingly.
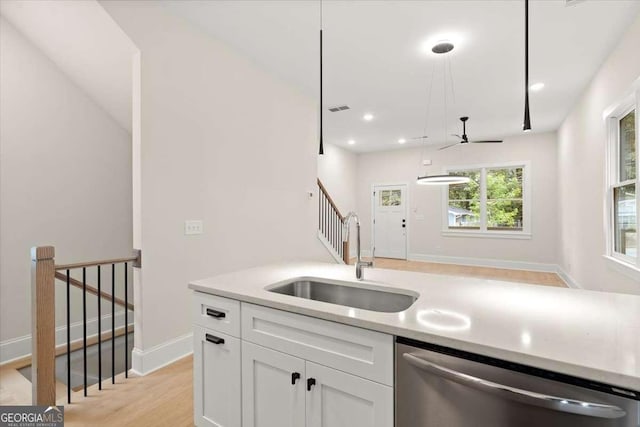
(486, 262)
(144, 362)
(570, 281)
(20, 347)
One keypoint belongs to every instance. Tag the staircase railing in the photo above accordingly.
(330, 222)
(44, 272)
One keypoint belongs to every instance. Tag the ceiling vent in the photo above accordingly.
(339, 108)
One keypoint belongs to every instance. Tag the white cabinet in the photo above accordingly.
(273, 392)
(286, 391)
(339, 399)
(261, 367)
(216, 385)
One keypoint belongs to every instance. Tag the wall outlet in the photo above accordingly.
(193, 226)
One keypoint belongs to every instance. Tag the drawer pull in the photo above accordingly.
(295, 376)
(310, 383)
(215, 313)
(214, 339)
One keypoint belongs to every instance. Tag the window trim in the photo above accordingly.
(612, 117)
(483, 232)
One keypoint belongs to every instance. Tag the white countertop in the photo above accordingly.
(592, 335)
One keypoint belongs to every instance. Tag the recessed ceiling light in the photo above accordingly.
(402, 141)
(536, 86)
(368, 117)
(351, 142)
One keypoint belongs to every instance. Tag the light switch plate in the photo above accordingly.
(193, 226)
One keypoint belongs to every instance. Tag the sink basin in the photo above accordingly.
(365, 296)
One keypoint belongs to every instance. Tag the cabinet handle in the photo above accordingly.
(214, 339)
(294, 377)
(215, 313)
(310, 383)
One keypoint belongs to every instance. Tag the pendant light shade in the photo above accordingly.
(321, 150)
(442, 180)
(527, 118)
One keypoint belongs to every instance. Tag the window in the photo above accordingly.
(492, 203)
(390, 197)
(622, 194)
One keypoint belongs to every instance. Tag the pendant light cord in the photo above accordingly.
(453, 92)
(427, 111)
(444, 80)
(527, 118)
(321, 149)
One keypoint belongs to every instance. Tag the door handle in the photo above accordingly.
(214, 339)
(295, 376)
(557, 403)
(310, 383)
(215, 313)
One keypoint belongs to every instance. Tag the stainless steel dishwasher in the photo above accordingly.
(442, 387)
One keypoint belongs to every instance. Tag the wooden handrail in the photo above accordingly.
(43, 342)
(333, 205)
(93, 291)
(134, 259)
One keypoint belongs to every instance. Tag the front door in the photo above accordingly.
(390, 221)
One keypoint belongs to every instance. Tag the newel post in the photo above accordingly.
(43, 325)
(345, 252)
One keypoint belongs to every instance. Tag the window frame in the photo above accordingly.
(484, 231)
(613, 115)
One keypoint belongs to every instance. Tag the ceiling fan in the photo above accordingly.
(464, 139)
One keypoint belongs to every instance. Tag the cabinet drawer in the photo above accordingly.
(216, 379)
(216, 313)
(362, 352)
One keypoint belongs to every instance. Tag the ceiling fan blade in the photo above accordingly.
(448, 146)
(488, 141)
(418, 137)
(457, 136)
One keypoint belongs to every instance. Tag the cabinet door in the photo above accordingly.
(273, 392)
(338, 399)
(216, 379)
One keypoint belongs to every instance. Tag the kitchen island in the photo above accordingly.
(584, 334)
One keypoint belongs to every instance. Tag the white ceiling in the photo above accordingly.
(375, 60)
(85, 43)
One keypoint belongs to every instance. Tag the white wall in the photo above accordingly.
(581, 152)
(337, 170)
(425, 235)
(224, 142)
(83, 41)
(65, 178)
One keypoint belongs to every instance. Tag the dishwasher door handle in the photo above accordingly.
(590, 409)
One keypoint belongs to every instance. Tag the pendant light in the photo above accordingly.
(321, 150)
(527, 119)
(442, 180)
(440, 48)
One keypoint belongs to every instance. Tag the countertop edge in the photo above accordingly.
(595, 374)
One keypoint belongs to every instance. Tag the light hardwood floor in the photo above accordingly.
(522, 276)
(162, 398)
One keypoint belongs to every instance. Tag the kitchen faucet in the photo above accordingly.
(359, 263)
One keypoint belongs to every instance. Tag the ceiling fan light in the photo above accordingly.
(442, 179)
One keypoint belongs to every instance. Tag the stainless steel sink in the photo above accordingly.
(367, 297)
